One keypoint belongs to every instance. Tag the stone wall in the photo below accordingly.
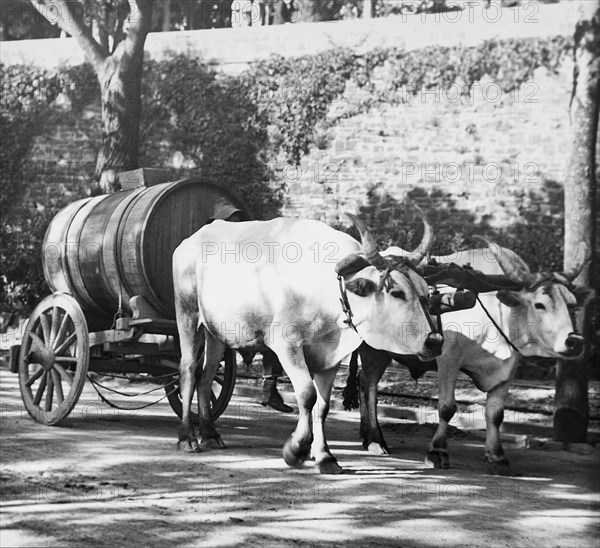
(232, 49)
(490, 153)
(62, 159)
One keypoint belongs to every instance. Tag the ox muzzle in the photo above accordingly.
(574, 345)
(433, 345)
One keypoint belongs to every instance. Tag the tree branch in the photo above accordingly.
(121, 17)
(140, 21)
(60, 12)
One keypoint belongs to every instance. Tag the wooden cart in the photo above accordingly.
(108, 261)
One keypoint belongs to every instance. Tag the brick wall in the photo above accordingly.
(487, 154)
(62, 159)
(232, 49)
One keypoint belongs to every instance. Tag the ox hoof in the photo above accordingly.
(500, 468)
(378, 448)
(437, 459)
(295, 454)
(212, 443)
(329, 466)
(188, 446)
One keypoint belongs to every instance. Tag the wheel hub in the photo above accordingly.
(40, 353)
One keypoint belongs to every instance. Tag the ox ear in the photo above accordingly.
(361, 287)
(351, 264)
(583, 295)
(509, 298)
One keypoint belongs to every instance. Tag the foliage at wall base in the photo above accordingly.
(237, 130)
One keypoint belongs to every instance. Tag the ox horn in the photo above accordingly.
(515, 268)
(368, 243)
(423, 248)
(582, 256)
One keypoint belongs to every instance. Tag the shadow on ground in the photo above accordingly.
(109, 477)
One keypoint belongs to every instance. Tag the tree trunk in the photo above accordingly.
(571, 408)
(166, 20)
(120, 84)
(119, 73)
(310, 11)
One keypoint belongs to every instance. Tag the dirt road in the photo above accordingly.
(109, 478)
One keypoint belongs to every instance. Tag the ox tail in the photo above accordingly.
(350, 392)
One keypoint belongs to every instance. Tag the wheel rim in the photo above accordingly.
(223, 386)
(54, 359)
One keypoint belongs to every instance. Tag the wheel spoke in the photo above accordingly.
(49, 393)
(40, 390)
(213, 399)
(64, 374)
(54, 358)
(45, 328)
(69, 342)
(35, 376)
(58, 387)
(62, 331)
(218, 380)
(38, 330)
(54, 325)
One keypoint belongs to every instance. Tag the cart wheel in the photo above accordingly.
(54, 359)
(223, 385)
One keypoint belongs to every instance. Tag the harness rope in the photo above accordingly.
(496, 325)
(115, 406)
(460, 276)
(345, 304)
(387, 283)
(570, 310)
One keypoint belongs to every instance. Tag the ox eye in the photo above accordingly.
(398, 294)
(540, 306)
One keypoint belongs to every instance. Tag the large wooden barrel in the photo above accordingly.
(106, 249)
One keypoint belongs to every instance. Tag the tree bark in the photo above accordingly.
(166, 19)
(571, 409)
(120, 76)
(310, 11)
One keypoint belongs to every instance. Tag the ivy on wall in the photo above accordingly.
(301, 90)
(213, 121)
(232, 129)
(31, 101)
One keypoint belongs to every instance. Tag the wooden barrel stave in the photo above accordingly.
(55, 250)
(130, 243)
(121, 245)
(192, 219)
(80, 255)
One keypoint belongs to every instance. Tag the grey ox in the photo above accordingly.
(274, 284)
(536, 320)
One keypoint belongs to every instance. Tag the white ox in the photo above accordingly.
(257, 284)
(538, 320)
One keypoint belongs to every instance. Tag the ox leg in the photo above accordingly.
(320, 450)
(494, 415)
(213, 352)
(374, 364)
(297, 448)
(437, 455)
(191, 340)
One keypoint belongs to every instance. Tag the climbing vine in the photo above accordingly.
(233, 128)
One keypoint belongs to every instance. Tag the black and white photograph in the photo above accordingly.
(296, 273)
